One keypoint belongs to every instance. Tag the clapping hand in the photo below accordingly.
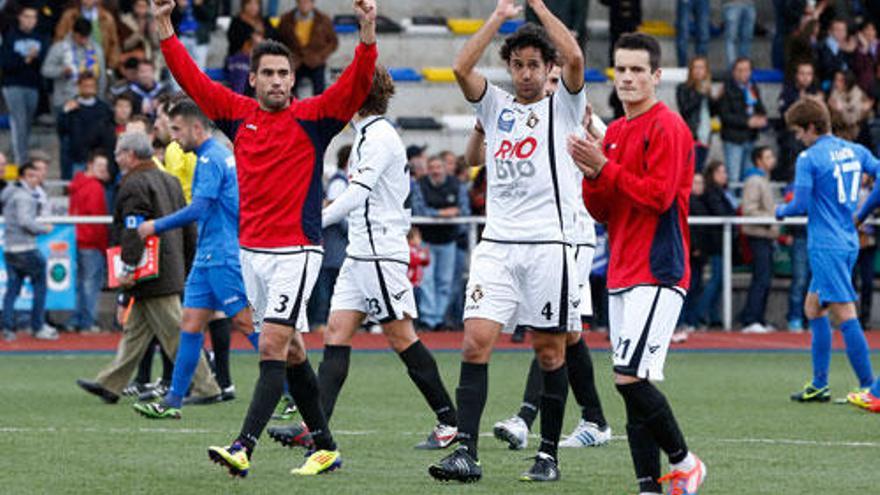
(587, 154)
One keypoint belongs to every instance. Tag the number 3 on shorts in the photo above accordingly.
(282, 307)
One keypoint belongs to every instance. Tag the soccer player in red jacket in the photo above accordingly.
(279, 152)
(638, 182)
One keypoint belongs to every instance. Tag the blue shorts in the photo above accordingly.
(220, 288)
(832, 275)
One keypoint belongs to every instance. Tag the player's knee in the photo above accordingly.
(273, 347)
(400, 334)
(620, 379)
(243, 322)
(550, 360)
(295, 355)
(475, 350)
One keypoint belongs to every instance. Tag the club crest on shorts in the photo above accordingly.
(477, 293)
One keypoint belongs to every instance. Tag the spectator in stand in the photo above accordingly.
(685, 12)
(145, 90)
(137, 33)
(418, 161)
(123, 110)
(739, 28)
(455, 311)
(742, 117)
(850, 107)
(697, 105)
(438, 195)
(248, 22)
(87, 199)
(103, 27)
(624, 16)
(21, 54)
(801, 47)
(690, 320)
(758, 201)
(335, 243)
(718, 204)
(175, 161)
(419, 258)
(866, 57)
(129, 72)
(864, 272)
(88, 124)
(194, 21)
(238, 64)
(21, 207)
(801, 85)
(834, 53)
(450, 161)
(76, 54)
(310, 36)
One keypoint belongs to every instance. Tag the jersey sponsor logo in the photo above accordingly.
(522, 149)
(506, 120)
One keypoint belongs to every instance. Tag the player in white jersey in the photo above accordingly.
(523, 270)
(592, 429)
(373, 283)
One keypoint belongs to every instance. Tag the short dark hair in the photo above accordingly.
(24, 167)
(147, 121)
(758, 151)
(644, 42)
(269, 47)
(82, 26)
(96, 153)
(167, 101)
(529, 35)
(124, 97)
(86, 75)
(808, 111)
(380, 93)
(189, 111)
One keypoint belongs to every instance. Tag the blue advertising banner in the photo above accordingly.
(59, 248)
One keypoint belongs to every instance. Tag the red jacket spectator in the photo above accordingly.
(419, 258)
(87, 198)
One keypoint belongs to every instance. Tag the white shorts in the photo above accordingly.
(641, 320)
(279, 283)
(531, 285)
(378, 288)
(583, 256)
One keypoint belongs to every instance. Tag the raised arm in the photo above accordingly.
(215, 100)
(471, 82)
(569, 51)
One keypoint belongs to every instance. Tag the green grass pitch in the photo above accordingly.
(733, 408)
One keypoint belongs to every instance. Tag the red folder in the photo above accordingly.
(147, 269)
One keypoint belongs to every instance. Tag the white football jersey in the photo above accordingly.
(533, 185)
(377, 229)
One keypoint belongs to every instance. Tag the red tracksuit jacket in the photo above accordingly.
(642, 195)
(279, 155)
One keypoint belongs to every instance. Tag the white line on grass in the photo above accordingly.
(199, 431)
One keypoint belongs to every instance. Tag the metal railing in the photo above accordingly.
(726, 223)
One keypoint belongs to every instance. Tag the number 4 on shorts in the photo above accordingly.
(547, 311)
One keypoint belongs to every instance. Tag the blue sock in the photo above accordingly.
(875, 390)
(254, 339)
(188, 353)
(821, 350)
(857, 351)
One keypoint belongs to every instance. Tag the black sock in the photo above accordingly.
(146, 365)
(528, 411)
(332, 373)
(646, 457)
(422, 369)
(267, 392)
(304, 388)
(167, 366)
(650, 406)
(220, 342)
(473, 387)
(583, 382)
(553, 408)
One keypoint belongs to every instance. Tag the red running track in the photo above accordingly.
(725, 341)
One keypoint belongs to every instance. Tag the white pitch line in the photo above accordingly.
(200, 431)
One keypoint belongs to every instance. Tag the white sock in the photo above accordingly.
(686, 464)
